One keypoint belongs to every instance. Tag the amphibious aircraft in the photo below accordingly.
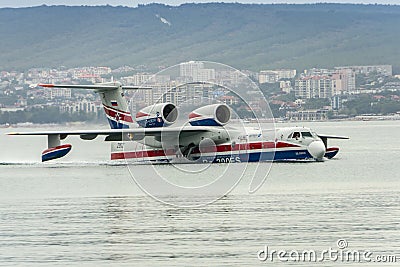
(207, 137)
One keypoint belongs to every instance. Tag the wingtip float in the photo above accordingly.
(56, 152)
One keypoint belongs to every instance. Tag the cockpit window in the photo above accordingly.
(296, 135)
(306, 134)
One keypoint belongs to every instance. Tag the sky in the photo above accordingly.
(134, 3)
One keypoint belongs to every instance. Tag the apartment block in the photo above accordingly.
(324, 83)
(85, 106)
(285, 86)
(313, 87)
(196, 71)
(51, 93)
(273, 76)
(344, 81)
(385, 70)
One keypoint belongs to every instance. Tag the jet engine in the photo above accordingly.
(157, 115)
(210, 115)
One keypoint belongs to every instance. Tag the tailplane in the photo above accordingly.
(112, 97)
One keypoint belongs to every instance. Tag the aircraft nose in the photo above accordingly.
(317, 149)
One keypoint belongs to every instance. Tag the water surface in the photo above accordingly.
(85, 210)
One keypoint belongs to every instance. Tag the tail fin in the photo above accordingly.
(112, 97)
(116, 107)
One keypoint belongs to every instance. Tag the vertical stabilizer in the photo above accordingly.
(112, 97)
(116, 107)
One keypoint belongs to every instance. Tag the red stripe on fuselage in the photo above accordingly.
(143, 154)
(284, 144)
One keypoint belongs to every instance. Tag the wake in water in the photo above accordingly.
(63, 164)
(116, 163)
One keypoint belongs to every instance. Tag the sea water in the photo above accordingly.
(85, 210)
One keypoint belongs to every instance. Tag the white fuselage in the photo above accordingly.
(225, 144)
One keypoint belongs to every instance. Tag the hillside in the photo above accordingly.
(244, 36)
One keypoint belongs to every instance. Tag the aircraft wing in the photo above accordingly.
(57, 150)
(120, 134)
(332, 136)
(325, 137)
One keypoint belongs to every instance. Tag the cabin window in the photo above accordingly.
(296, 135)
(306, 134)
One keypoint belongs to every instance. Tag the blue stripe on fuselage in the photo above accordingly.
(259, 156)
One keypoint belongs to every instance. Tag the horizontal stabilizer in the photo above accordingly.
(99, 87)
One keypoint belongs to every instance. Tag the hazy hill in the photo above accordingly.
(244, 36)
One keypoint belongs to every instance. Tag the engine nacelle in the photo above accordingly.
(158, 115)
(210, 115)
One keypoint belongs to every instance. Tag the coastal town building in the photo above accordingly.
(325, 83)
(196, 71)
(268, 77)
(386, 70)
(308, 115)
(336, 102)
(145, 79)
(85, 106)
(317, 72)
(344, 81)
(286, 86)
(51, 93)
(313, 87)
(273, 76)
